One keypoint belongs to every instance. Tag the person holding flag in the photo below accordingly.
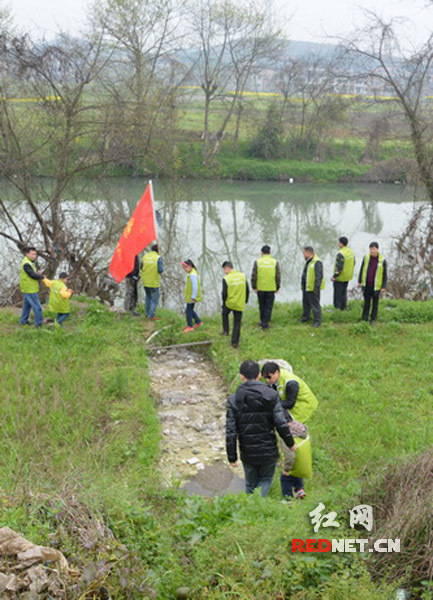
(139, 232)
(153, 267)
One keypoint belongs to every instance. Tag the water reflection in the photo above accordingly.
(210, 222)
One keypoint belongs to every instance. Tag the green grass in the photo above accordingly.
(79, 424)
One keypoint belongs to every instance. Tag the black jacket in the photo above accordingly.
(253, 414)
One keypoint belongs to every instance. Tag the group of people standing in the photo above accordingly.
(265, 282)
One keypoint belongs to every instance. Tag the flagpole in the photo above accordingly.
(153, 206)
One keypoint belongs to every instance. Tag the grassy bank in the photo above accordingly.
(79, 428)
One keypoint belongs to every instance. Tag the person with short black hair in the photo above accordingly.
(235, 294)
(373, 277)
(266, 281)
(254, 412)
(343, 273)
(59, 297)
(29, 286)
(312, 281)
(151, 271)
(299, 403)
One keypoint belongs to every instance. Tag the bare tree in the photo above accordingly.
(233, 40)
(378, 56)
(144, 73)
(60, 133)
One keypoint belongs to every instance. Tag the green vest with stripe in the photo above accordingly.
(311, 276)
(306, 402)
(57, 303)
(236, 290)
(266, 274)
(348, 266)
(27, 284)
(378, 278)
(149, 272)
(188, 287)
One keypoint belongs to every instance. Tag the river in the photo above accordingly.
(212, 221)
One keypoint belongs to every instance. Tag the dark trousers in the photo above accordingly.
(191, 315)
(31, 303)
(290, 485)
(266, 304)
(259, 476)
(370, 294)
(61, 317)
(237, 320)
(340, 294)
(311, 302)
(131, 295)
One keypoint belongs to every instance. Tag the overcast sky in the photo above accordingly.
(308, 20)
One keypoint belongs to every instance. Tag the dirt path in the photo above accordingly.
(192, 401)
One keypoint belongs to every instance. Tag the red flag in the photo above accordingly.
(138, 233)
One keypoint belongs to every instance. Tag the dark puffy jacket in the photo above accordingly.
(253, 414)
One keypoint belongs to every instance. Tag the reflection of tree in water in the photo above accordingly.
(372, 220)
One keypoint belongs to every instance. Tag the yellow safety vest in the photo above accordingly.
(311, 276)
(27, 284)
(236, 290)
(348, 266)
(378, 278)
(188, 287)
(58, 304)
(149, 272)
(266, 274)
(306, 402)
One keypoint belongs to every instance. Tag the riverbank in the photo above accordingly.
(80, 436)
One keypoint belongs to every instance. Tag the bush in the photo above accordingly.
(268, 141)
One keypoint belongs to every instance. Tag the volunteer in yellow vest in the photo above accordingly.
(150, 276)
(265, 281)
(373, 278)
(343, 273)
(235, 295)
(59, 297)
(299, 403)
(312, 282)
(192, 296)
(29, 285)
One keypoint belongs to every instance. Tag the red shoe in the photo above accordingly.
(188, 329)
(155, 318)
(300, 495)
(198, 325)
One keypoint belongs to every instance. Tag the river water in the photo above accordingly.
(212, 221)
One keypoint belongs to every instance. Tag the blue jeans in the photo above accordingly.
(290, 485)
(61, 317)
(152, 299)
(191, 315)
(31, 302)
(259, 476)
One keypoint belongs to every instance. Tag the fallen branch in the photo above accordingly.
(155, 333)
(204, 343)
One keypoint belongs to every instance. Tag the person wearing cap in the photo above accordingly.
(373, 277)
(266, 281)
(59, 297)
(343, 273)
(29, 286)
(151, 271)
(235, 294)
(192, 296)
